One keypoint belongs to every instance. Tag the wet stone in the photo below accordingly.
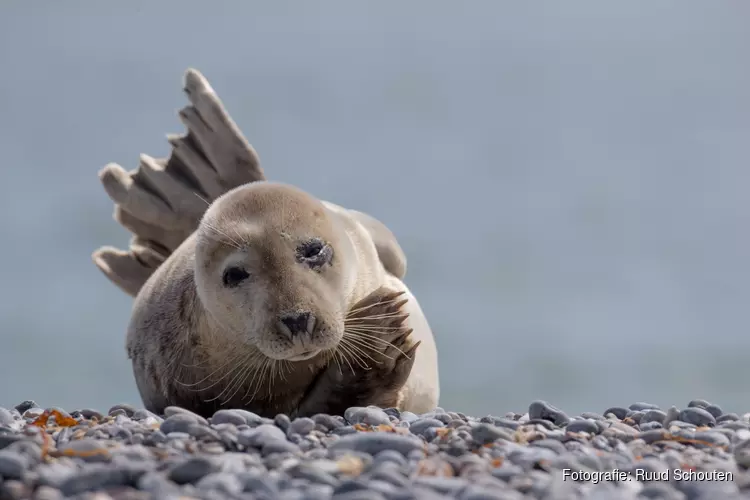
(327, 421)
(24, 406)
(582, 426)
(641, 406)
(191, 470)
(697, 416)
(420, 426)
(374, 442)
(171, 411)
(178, 422)
(126, 408)
(302, 426)
(486, 434)
(545, 411)
(261, 435)
(12, 464)
(366, 416)
(727, 417)
(617, 411)
(653, 415)
(228, 417)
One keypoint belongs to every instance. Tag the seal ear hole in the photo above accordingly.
(315, 253)
(233, 276)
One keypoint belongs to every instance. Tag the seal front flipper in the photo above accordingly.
(373, 360)
(162, 201)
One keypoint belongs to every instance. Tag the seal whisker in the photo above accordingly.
(233, 373)
(344, 356)
(232, 358)
(372, 338)
(236, 382)
(365, 343)
(370, 306)
(368, 328)
(353, 352)
(233, 243)
(361, 346)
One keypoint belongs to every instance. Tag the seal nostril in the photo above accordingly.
(299, 323)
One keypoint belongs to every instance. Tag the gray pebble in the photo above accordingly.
(191, 470)
(407, 416)
(714, 410)
(6, 417)
(374, 442)
(223, 482)
(617, 411)
(47, 493)
(727, 417)
(227, 417)
(178, 422)
(282, 422)
(367, 416)
(486, 434)
(95, 478)
(279, 446)
(697, 416)
(170, 411)
(653, 415)
(583, 425)
(261, 435)
(24, 406)
(302, 426)
(545, 411)
(698, 403)
(12, 464)
(128, 409)
(640, 406)
(650, 426)
(419, 426)
(327, 422)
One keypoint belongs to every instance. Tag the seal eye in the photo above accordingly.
(233, 276)
(315, 253)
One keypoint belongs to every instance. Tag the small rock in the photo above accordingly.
(128, 409)
(12, 464)
(178, 422)
(302, 426)
(583, 425)
(367, 416)
(545, 411)
(24, 406)
(170, 411)
(374, 442)
(228, 417)
(697, 416)
(485, 434)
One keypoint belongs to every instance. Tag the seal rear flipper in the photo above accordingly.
(162, 201)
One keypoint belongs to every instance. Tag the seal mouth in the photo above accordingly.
(304, 355)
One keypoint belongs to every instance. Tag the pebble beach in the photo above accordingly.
(630, 452)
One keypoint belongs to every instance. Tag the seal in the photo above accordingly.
(265, 298)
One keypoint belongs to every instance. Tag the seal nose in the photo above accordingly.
(298, 323)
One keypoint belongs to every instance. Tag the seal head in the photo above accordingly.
(269, 271)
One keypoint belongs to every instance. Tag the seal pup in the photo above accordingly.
(263, 286)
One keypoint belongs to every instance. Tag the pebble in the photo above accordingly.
(545, 411)
(366, 416)
(697, 416)
(133, 454)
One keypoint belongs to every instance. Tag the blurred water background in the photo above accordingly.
(570, 180)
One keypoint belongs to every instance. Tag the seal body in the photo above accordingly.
(252, 308)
